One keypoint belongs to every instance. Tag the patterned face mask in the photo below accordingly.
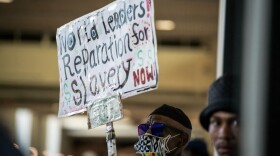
(152, 145)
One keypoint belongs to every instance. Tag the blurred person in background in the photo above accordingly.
(166, 132)
(33, 151)
(221, 116)
(7, 147)
(196, 147)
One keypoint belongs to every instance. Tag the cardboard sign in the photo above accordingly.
(111, 51)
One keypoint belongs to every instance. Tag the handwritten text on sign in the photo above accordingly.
(112, 49)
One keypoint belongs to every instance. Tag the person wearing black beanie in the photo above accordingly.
(221, 116)
(166, 132)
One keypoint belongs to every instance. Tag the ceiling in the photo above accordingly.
(196, 20)
(184, 75)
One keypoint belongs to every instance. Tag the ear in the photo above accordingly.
(184, 139)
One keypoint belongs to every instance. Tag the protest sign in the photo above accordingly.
(110, 51)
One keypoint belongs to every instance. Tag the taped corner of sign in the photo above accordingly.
(103, 111)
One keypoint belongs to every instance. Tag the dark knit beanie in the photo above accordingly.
(221, 97)
(173, 113)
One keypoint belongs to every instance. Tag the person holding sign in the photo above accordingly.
(166, 132)
(220, 117)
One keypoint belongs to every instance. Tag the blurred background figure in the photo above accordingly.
(7, 146)
(33, 151)
(221, 116)
(196, 147)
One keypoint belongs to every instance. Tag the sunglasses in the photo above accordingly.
(156, 129)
